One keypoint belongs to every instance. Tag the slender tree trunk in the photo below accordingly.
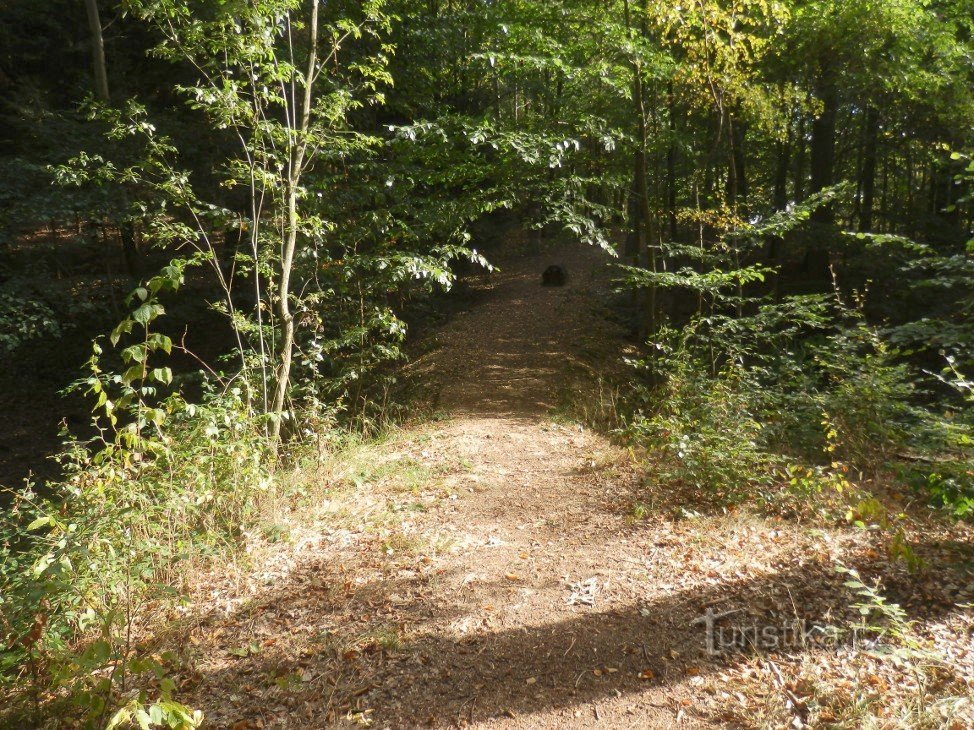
(952, 192)
(129, 234)
(286, 349)
(801, 155)
(823, 174)
(671, 168)
(645, 231)
(633, 213)
(909, 177)
(884, 197)
(932, 192)
(780, 202)
(736, 173)
(97, 51)
(868, 183)
(780, 194)
(856, 213)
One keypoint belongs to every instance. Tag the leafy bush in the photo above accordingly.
(864, 394)
(796, 388)
(29, 312)
(707, 424)
(949, 482)
(79, 563)
(165, 482)
(947, 485)
(22, 320)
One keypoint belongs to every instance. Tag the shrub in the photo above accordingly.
(80, 563)
(707, 425)
(737, 399)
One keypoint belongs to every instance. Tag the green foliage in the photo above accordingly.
(79, 563)
(803, 390)
(165, 481)
(864, 395)
(707, 424)
(884, 624)
(949, 481)
(31, 310)
(23, 318)
(948, 485)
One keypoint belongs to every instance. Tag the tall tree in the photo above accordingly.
(98, 51)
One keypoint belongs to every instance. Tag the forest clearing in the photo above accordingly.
(493, 363)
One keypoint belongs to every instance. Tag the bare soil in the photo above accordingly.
(503, 566)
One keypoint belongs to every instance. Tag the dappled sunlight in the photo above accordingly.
(393, 649)
(510, 365)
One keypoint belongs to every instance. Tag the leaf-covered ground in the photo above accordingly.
(500, 565)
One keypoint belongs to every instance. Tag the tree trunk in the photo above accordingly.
(286, 349)
(816, 264)
(736, 173)
(97, 51)
(801, 154)
(823, 150)
(671, 169)
(131, 254)
(633, 213)
(780, 201)
(645, 228)
(868, 183)
(910, 217)
(884, 197)
(780, 195)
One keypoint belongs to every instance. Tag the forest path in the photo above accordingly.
(483, 569)
(521, 348)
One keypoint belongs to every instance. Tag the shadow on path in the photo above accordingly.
(443, 679)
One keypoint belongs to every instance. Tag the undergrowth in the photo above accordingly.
(788, 404)
(96, 564)
(92, 564)
(86, 566)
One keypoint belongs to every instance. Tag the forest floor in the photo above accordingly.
(501, 564)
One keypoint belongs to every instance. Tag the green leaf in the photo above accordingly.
(121, 717)
(133, 374)
(159, 341)
(123, 327)
(162, 375)
(155, 415)
(134, 353)
(39, 522)
(143, 719)
(147, 313)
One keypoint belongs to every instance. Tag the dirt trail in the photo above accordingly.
(500, 593)
(517, 350)
(485, 569)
